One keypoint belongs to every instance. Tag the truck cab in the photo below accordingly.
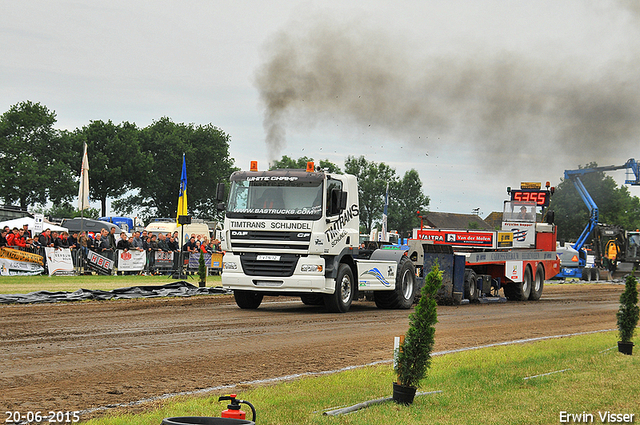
(296, 232)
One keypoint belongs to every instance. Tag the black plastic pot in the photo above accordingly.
(204, 420)
(403, 394)
(625, 347)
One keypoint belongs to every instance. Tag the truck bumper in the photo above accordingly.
(307, 277)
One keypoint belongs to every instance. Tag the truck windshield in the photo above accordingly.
(268, 196)
(519, 211)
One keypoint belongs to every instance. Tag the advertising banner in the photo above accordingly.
(14, 262)
(102, 265)
(212, 261)
(59, 261)
(131, 261)
(163, 259)
(476, 238)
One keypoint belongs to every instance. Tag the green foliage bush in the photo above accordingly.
(414, 355)
(628, 312)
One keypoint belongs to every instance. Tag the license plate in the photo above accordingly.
(268, 258)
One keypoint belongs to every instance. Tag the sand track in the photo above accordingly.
(77, 356)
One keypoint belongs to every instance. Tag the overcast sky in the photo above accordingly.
(475, 95)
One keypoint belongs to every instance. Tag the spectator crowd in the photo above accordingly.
(105, 242)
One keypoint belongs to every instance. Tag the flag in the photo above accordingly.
(83, 191)
(182, 197)
(385, 236)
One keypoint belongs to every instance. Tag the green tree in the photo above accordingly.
(116, 162)
(372, 186)
(66, 210)
(35, 159)
(301, 163)
(405, 199)
(615, 205)
(206, 150)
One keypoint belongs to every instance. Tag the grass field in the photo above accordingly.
(27, 284)
(517, 384)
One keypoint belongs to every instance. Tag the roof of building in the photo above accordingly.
(494, 220)
(441, 220)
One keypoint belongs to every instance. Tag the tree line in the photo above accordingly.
(138, 168)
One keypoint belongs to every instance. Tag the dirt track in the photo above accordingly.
(76, 356)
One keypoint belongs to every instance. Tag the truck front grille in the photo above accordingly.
(283, 266)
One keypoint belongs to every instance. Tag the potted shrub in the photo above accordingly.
(202, 271)
(628, 315)
(414, 355)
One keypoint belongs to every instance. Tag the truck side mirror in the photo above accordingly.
(338, 202)
(220, 192)
(342, 202)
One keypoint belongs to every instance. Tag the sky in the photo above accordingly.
(475, 96)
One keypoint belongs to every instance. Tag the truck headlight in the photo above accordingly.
(230, 265)
(311, 268)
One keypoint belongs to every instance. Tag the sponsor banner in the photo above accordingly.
(524, 234)
(97, 262)
(59, 261)
(163, 259)
(131, 261)
(478, 238)
(17, 255)
(213, 261)
(16, 268)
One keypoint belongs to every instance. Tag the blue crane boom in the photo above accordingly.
(633, 178)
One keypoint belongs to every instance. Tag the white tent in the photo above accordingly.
(19, 222)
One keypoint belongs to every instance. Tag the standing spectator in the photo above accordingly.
(136, 242)
(162, 243)
(73, 240)
(191, 245)
(112, 238)
(98, 244)
(27, 232)
(11, 236)
(106, 242)
(45, 238)
(85, 243)
(54, 236)
(3, 237)
(123, 243)
(173, 244)
(62, 241)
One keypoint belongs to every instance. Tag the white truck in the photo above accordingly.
(296, 233)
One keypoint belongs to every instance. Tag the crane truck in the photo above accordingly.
(296, 233)
(574, 258)
(478, 263)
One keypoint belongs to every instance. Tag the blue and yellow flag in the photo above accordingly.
(182, 198)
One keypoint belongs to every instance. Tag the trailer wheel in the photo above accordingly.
(247, 299)
(519, 291)
(470, 285)
(312, 299)
(404, 293)
(538, 284)
(341, 299)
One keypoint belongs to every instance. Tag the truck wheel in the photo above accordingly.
(470, 285)
(341, 299)
(595, 274)
(538, 284)
(247, 299)
(519, 291)
(312, 299)
(404, 293)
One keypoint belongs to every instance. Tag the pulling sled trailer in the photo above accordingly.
(477, 264)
